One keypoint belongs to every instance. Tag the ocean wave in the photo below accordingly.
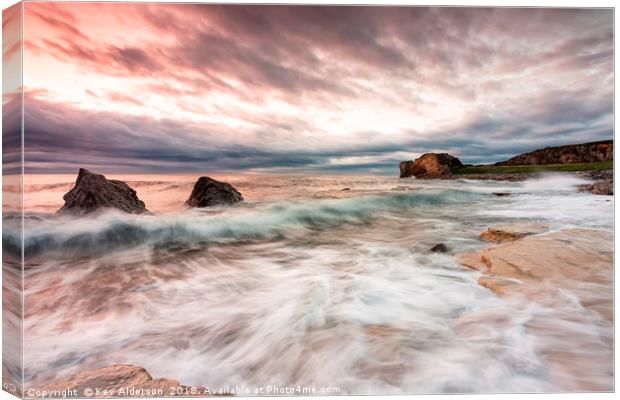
(112, 230)
(33, 188)
(162, 185)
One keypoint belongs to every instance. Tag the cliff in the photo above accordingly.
(569, 154)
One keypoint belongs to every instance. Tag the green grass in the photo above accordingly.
(529, 169)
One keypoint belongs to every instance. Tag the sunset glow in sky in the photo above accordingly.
(161, 87)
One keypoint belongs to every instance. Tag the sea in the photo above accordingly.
(324, 282)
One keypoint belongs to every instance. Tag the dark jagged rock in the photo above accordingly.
(406, 169)
(430, 165)
(93, 192)
(439, 248)
(573, 153)
(208, 192)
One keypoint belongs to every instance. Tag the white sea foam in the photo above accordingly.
(322, 288)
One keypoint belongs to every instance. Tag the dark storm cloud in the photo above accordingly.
(117, 143)
(482, 83)
(11, 133)
(136, 143)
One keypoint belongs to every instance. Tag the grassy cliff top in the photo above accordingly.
(516, 169)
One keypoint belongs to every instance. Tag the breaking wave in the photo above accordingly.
(305, 283)
(110, 230)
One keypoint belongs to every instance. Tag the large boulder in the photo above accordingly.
(208, 192)
(93, 192)
(430, 165)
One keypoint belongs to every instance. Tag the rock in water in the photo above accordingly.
(93, 192)
(439, 248)
(603, 187)
(597, 175)
(430, 165)
(406, 169)
(512, 231)
(604, 182)
(498, 235)
(209, 192)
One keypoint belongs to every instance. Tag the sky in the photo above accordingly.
(318, 89)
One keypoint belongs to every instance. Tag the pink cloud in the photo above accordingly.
(327, 75)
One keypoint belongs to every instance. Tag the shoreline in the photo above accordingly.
(602, 181)
(506, 285)
(524, 265)
(558, 271)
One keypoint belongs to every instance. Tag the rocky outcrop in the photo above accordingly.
(574, 153)
(597, 175)
(604, 187)
(430, 165)
(603, 182)
(512, 231)
(498, 235)
(208, 192)
(570, 257)
(121, 380)
(569, 275)
(93, 192)
(406, 169)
